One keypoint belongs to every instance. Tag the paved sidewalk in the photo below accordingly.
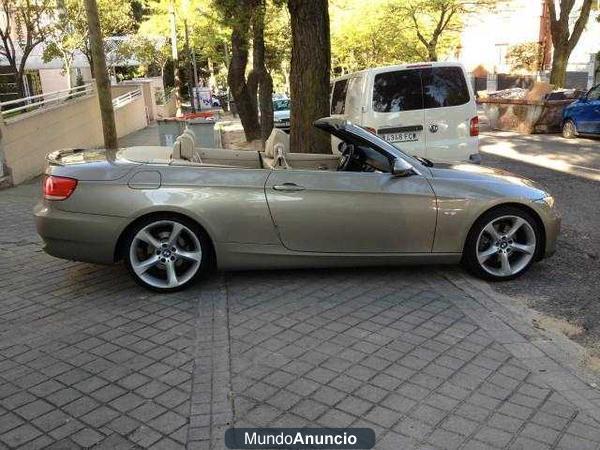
(423, 356)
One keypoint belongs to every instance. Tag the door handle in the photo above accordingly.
(290, 187)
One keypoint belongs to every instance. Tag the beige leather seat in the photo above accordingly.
(276, 147)
(184, 147)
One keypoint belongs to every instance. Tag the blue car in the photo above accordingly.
(582, 117)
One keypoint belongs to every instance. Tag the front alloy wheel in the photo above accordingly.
(166, 254)
(502, 245)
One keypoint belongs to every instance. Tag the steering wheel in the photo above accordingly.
(348, 154)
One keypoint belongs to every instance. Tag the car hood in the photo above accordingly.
(482, 175)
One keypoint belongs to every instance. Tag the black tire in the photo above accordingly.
(207, 258)
(470, 260)
(569, 130)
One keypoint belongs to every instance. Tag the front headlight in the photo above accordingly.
(548, 200)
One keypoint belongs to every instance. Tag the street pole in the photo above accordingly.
(174, 56)
(107, 113)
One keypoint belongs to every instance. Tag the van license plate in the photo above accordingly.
(400, 137)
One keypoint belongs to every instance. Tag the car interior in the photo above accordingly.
(277, 155)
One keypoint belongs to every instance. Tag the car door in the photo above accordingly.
(588, 113)
(351, 212)
(449, 109)
(396, 109)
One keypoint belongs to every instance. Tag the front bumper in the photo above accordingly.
(552, 221)
(78, 237)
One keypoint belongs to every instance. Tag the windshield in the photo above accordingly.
(281, 105)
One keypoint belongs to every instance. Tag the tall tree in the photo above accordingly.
(563, 39)
(107, 114)
(243, 94)
(309, 74)
(259, 80)
(22, 28)
(63, 38)
(432, 20)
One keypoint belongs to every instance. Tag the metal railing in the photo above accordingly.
(128, 97)
(33, 102)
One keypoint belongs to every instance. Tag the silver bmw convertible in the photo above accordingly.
(173, 214)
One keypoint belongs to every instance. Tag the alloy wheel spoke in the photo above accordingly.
(142, 266)
(177, 229)
(148, 238)
(486, 254)
(171, 274)
(523, 248)
(515, 227)
(492, 231)
(192, 256)
(505, 264)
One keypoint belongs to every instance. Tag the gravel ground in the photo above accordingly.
(566, 286)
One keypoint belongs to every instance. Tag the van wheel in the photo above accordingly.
(502, 244)
(167, 254)
(568, 130)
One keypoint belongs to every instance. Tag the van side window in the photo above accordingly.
(397, 91)
(444, 86)
(338, 98)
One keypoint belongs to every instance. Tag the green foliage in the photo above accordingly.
(68, 31)
(367, 34)
(525, 57)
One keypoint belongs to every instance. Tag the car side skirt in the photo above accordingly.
(236, 256)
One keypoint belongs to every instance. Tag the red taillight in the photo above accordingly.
(58, 188)
(474, 128)
(371, 130)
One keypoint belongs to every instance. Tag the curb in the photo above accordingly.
(552, 357)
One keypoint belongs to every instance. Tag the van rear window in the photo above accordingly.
(397, 91)
(444, 86)
(338, 97)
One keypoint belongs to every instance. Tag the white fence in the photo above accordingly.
(61, 119)
(128, 97)
(31, 103)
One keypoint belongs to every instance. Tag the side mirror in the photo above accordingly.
(401, 168)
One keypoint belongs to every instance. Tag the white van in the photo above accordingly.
(426, 109)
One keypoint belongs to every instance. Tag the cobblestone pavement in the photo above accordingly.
(88, 359)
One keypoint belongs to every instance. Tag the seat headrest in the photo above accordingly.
(277, 138)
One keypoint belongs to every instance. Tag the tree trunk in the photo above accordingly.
(563, 39)
(236, 77)
(259, 71)
(432, 52)
(558, 74)
(107, 114)
(309, 74)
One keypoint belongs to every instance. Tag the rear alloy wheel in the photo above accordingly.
(569, 131)
(502, 245)
(166, 254)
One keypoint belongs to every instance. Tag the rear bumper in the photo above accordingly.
(78, 237)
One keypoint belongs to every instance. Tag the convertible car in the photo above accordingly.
(175, 213)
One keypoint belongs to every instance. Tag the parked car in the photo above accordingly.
(427, 109)
(281, 114)
(173, 213)
(582, 117)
